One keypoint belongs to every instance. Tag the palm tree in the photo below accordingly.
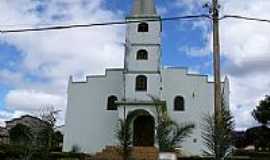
(217, 134)
(124, 136)
(170, 134)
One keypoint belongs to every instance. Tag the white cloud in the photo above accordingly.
(8, 77)
(195, 51)
(190, 6)
(55, 55)
(246, 47)
(33, 100)
(8, 115)
(50, 57)
(162, 10)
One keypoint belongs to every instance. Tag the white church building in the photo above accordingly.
(94, 106)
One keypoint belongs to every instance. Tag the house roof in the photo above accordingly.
(24, 116)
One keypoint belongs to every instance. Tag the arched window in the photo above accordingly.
(143, 27)
(142, 55)
(111, 103)
(141, 83)
(179, 103)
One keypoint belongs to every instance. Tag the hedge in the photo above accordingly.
(17, 152)
(233, 158)
(211, 158)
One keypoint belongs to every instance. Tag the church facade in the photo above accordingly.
(94, 106)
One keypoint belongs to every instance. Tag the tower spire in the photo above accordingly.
(144, 8)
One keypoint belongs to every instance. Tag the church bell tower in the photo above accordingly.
(142, 53)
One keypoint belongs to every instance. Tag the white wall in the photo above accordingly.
(153, 62)
(150, 41)
(178, 82)
(88, 124)
(91, 126)
(151, 37)
(153, 87)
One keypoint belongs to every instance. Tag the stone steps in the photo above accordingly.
(137, 153)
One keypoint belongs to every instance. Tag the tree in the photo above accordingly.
(21, 135)
(44, 137)
(49, 115)
(217, 134)
(262, 111)
(47, 136)
(57, 141)
(259, 137)
(124, 136)
(240, 139)
(170, 135)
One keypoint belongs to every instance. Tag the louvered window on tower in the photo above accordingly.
(142, 55)
(179, 103)
(111, 103)
(141, 83)
(143, 27)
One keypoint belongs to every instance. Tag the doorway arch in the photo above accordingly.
(144, 131)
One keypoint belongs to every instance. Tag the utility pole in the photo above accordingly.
(216, 56)
(216, 65)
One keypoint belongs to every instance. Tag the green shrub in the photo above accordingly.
(22, 152)
(17, 152)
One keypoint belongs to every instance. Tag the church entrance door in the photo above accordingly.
(143, 131)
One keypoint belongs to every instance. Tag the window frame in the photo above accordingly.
(141, 83)
(179, 103)
(143, 27)
(142, 54)
(111, 106)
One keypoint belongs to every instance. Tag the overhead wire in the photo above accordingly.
(245, 18)
(188, 17)
(61, 27)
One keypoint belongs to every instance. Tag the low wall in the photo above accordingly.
(233, 158)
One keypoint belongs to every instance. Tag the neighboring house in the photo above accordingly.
(95, 105)
(30, 121)
(3, 135)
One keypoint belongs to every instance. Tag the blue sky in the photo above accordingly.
(34, 67)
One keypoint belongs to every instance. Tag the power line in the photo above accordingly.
(245, 18)
(190, 17)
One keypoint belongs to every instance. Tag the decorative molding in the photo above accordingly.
(142, 72)
(100, 76)
(185, 69)
(144, 44)
(139, 103)
(140, 19)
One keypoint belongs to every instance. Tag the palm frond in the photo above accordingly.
(217, 133)
(124, 137)
(181, 132)
(169, 133)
